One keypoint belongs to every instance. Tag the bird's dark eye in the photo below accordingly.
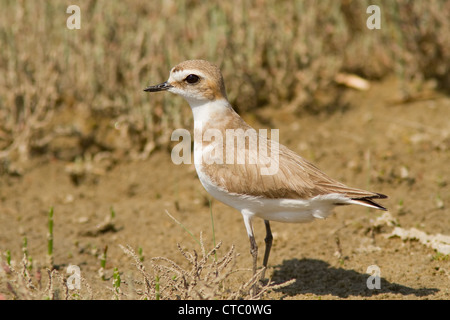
(192, 78)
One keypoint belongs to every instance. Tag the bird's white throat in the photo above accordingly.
(203, 110)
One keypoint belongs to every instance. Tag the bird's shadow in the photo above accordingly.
(319, 278)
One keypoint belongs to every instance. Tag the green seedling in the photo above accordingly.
(441, 257)
(141, 256)
(157, 293)
(103, 263)
(25, 252)
(8, 257)
(50, 238)
(439, 202)
(116, 281)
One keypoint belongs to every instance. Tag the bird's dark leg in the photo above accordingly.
(254, 252)
(268, 240)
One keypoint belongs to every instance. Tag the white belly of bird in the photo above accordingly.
(281, 210)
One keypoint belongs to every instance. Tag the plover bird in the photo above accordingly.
(268, 181)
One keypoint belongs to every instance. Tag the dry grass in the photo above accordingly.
(206, 278)
(22, 282)
(76, 94)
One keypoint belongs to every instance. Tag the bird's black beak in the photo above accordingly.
(159, 87)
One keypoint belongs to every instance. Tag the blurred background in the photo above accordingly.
(78, 94)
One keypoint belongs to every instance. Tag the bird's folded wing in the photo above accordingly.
(290, 176)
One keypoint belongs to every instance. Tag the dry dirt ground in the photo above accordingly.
(379, 141)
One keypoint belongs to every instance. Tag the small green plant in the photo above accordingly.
(116, 282)
(400, 208)
(439, 256)
(439, 202)
(103, 263)
(157, 293)
(50, 239)
(24, 246)
(8, 257)
(141, 256)
(28, 259)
